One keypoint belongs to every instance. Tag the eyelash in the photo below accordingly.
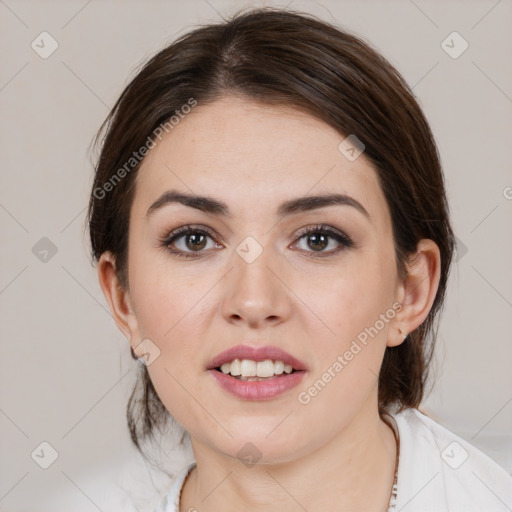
(321, 229)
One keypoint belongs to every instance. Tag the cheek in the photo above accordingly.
(353, 296)
(165, 296)
(169, 313)
(356, 308)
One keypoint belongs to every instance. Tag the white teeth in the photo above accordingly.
(235, 368)
(265, 368)
(249, 368)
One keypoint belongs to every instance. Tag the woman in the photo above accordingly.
(273, 238)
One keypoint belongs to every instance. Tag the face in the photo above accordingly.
(253, 275)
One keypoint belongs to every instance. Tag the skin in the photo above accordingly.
(253, 157)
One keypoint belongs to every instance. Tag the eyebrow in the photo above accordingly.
(290, 207)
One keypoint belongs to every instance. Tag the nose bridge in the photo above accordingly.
(255, 293)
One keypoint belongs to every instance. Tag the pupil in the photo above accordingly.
(316, 238)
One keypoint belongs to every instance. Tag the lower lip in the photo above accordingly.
(257, 389)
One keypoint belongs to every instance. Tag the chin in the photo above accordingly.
(257, 448)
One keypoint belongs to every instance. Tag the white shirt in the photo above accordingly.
(438, 472)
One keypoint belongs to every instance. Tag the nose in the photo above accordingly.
(255, 292)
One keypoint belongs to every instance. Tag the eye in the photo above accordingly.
(190, 242)
(184, 242)
(318, 238)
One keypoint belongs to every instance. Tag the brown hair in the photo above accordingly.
(284, 57)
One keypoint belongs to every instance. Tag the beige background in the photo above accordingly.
(65, 370)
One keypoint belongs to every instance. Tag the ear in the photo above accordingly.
(418, 290)
(118, 298)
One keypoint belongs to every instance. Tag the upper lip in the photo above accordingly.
(255, 354)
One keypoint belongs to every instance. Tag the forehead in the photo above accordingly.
(254, 156)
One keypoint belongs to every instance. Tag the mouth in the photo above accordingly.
(256, 373)
(251, 361)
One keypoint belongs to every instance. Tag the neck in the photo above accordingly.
(352, 471)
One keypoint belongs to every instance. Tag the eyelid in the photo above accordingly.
(181, 231)
(324, 229)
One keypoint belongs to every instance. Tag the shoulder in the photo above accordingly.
(170, 502)
(440, 471)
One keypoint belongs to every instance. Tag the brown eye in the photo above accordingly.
(195, 241)
(317, 241)
(188, 241)
(321, 237)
